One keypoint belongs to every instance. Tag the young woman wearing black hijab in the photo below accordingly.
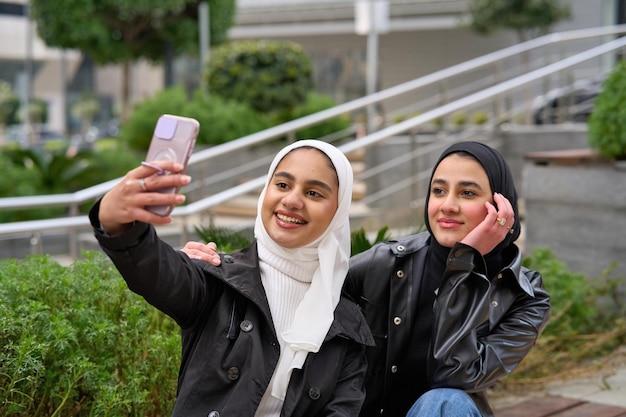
(452, 309)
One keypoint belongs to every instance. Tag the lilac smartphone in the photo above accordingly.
(173, 140)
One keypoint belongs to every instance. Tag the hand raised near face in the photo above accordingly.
(494, 228)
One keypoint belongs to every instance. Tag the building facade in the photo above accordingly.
(418, 38)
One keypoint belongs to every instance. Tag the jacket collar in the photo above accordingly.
(411, 244)
(240, 271)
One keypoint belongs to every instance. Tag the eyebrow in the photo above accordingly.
(461, 183)
(310, 182)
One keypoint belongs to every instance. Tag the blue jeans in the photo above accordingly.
(444, 402)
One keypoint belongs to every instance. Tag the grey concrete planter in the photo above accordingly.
(576, 206)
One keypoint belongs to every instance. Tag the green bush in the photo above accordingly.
(226, 239)
(59, 169)
(223, 120)
(314, 103)
(573, 309)
(137, 131)
(77, 342)
(607, 122)
(220, 120)
(581, 331)
(18, 180)
(267, 75)
(360, 243)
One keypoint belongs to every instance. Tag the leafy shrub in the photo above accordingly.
(580, 331)
(18, 180)
(226, 239)
(268, 75)
(223, 120)
(315, 103)
(137, 130)
(607, 122)
(360, 243)
(77, 342)
(220, 120)
(573, 309)
(57, 170)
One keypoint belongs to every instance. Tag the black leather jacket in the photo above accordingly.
(482, 329)
(229, 346)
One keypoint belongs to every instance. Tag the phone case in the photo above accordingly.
(173, 140)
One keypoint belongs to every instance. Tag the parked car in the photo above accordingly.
(572, 103)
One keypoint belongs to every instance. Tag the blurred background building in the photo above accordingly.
(418, 38)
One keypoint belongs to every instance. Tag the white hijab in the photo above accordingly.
(315, 313)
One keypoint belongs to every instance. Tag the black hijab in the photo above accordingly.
(431, 277)
(500, 181)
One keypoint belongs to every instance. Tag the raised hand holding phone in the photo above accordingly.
(173, 140)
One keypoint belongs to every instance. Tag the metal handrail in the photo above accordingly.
(75, 222)
(306, 121)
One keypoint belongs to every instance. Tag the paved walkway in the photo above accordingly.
(606, 385)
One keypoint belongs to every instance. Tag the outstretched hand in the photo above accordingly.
(494, 228)
(206, 253)
(126, 202)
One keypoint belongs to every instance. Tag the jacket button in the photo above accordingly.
(233, 373)
(213, 414)
(397, 321)
(246, 326)
(494, 303)
(314, 393)
(394, 369)
(228, 259)
(400, 248)
(400, 274)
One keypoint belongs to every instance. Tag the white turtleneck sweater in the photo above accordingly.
(286, 282)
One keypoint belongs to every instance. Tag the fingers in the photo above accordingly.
(505, 214)
(494, 228)
(126, 202)
(157, 182)
(207, 253)
(161, 167)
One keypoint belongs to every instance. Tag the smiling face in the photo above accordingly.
(458, 192)
(301, 198)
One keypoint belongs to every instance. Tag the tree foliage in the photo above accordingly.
(528, 18)
(120, 31)
(114, 31)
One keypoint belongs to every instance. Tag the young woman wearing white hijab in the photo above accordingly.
(267, 333)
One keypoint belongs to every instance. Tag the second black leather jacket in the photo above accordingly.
(482, 329)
